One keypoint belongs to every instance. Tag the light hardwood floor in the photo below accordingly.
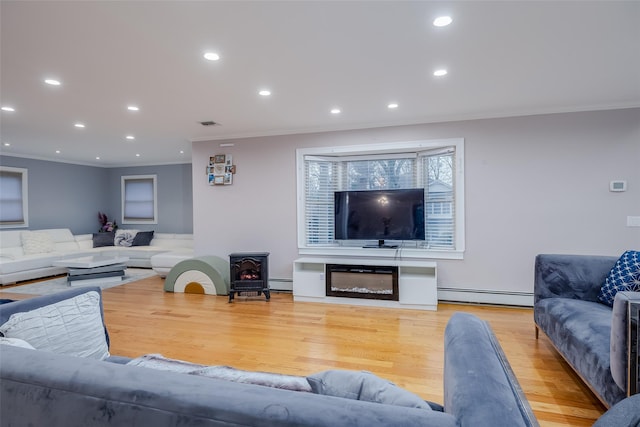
(404, 346)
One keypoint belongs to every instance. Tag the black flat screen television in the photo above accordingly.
(379, 215)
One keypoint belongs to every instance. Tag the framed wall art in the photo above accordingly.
(221, 169)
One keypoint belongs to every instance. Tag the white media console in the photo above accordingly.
(417, 282)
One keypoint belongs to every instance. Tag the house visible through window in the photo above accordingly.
(139, 201)
(430, 165)
(13, 197)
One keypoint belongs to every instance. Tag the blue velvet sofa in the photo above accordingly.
(590, 336)
(43, 388)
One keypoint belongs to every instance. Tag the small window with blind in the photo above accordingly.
(13, 197)
(434, 166)
(139, 199)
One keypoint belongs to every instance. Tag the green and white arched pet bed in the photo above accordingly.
(207, 273)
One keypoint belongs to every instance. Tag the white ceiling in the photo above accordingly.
(503, 58)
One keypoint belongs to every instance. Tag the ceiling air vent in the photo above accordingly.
(209, 123)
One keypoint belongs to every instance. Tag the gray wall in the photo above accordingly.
(175, 196)
(533, 184)
(63, 195)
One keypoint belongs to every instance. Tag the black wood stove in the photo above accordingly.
(249, 274)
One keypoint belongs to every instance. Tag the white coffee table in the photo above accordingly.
(93, 270)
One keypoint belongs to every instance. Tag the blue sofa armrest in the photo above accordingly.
(625, 413)
(480, 388)
(619, 337)
(6, 310)
(570, 276)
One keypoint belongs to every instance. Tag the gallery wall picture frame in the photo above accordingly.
(221, 169)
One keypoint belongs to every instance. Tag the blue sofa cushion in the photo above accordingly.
(365, 386)
(581, 331)
(624, 276)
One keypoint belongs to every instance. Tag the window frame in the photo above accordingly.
(24, 175)
(392, 149)
(154, 180)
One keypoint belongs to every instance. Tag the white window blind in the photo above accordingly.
(13, 197)
(432, 170)
(380, 173)
(439, 174)
(139, 205)
(320, 183)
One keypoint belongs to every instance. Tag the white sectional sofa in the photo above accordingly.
(29, 254)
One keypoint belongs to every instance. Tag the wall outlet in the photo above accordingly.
(633, 221)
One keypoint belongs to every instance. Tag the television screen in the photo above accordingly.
(379, 215)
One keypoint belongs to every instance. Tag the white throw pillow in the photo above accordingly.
(34, 242)
(73, 327)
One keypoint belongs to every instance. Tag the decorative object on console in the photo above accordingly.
(221, 169)
(106, 226)
(624, 276)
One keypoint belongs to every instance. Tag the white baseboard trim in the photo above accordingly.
(281, 284)
(482, 296)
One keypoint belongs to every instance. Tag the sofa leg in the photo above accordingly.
(537, 332)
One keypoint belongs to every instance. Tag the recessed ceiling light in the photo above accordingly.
(130, 137)
(211, 56)
(440, 73)
(52, 82)
(133, 108)
(392, 106)
(442, 21)
(97, 157)
(181, 151)
(264, 92)
(335, 111)
(79, 125)
(9, 109)
(7, 144)
(137, 155)
(57, 151)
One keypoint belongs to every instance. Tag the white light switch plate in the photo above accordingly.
(633, 221)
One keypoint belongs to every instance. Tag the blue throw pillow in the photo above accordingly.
(143, 238)
(624, 276)
(103, 239)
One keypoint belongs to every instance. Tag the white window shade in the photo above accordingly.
(13, 197)
(139, 201)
